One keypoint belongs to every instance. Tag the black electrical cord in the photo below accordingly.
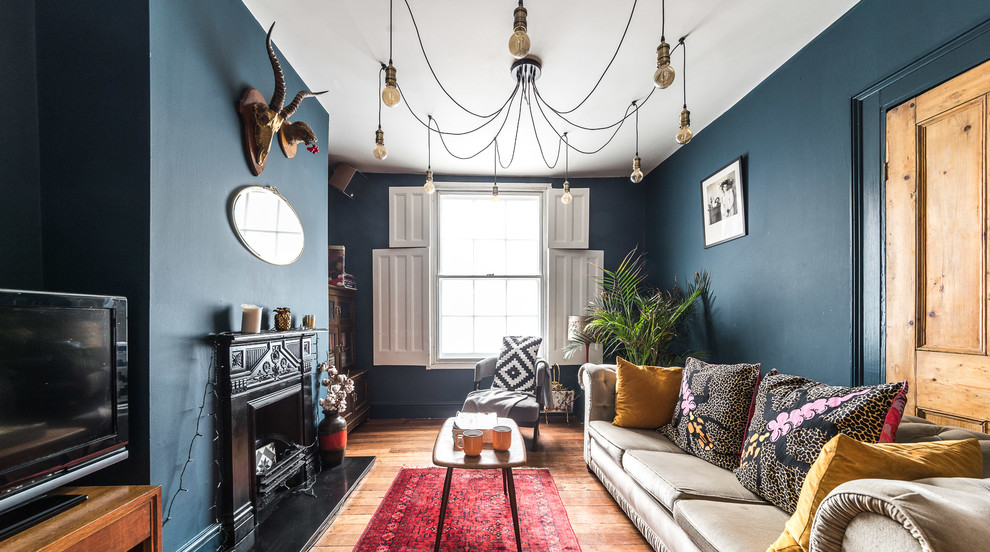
(419, 37)
(462, 133)
(683, 70)
(607, 67)
(472, 156)
(380, 72)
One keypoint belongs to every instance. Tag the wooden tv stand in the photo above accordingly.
(113, 519)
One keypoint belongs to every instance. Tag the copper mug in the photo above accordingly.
(470, 441)
(501, 437)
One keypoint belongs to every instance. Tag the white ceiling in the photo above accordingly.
(732, 45)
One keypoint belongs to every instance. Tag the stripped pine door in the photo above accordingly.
(936, 251)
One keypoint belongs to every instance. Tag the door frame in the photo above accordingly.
(867, 196)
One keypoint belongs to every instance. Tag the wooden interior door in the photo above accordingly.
(936, 251)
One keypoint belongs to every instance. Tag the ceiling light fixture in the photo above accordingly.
(429, 188)
(567, 197)
(524, 97)
(495, 173)
(637, 172)
(684, 133)
(519, 41)
(380, 151)
(664, 76)
(390, 94)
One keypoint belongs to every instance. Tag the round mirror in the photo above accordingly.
(267, 225)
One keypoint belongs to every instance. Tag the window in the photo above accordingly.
(489, 271)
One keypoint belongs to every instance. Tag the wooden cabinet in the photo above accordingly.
(124, 518)
(341, 329)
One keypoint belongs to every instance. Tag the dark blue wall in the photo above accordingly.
(128, 191)
(617, 226)
(203, 54)
(784, 292)
(92, 67)
(20, 208)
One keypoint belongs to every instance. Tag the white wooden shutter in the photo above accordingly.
(400, 280)
(572, 287)
(568, 224)
(408, 217)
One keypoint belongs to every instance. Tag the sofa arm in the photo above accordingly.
(598, 383)
(930, 515)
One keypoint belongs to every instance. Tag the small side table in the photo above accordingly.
(445, 455)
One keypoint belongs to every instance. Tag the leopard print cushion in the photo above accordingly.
(792, 420)
(711, 414)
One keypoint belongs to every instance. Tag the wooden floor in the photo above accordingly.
(598, 522)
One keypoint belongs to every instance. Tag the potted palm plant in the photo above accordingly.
(635, 320)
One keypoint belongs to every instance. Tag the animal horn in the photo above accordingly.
(292, 107)
(278, 97)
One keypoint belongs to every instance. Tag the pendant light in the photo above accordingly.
(380, 151)
(684, 133)
(664, 76)
(519, 41)
(567, 197)
(637, 173)
(390, 94)
(429, 188)
(495, 177)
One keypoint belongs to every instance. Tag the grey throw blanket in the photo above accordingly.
(501, 401)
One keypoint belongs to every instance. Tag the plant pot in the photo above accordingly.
(332, 435)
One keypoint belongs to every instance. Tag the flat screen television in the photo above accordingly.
(63, 390)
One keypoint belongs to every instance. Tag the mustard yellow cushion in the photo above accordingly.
(845, 459)
(645, 396)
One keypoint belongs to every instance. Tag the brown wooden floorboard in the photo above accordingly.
(597, 520)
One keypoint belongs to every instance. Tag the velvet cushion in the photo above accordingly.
(645, 396)
(845, 459)
(793, 419)
(710, 419)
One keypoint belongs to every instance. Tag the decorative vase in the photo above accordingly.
(332, 434)
(283, 318)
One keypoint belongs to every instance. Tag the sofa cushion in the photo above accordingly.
(845, 459)
(793, 419)
(671, 477)
(711, 415)
(919, 430)
(716, 526)
(617, 440)
(515, 368)
(645, 396)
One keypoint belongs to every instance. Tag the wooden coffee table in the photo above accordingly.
(445, 455)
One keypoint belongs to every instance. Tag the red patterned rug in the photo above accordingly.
(478, 517)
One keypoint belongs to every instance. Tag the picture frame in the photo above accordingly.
(723, 206)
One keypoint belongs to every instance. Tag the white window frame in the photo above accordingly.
(437, 363)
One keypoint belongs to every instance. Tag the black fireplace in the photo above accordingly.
(265, 384)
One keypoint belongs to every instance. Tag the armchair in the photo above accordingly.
(522, 408)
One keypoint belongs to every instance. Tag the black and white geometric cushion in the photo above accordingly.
(515, 368)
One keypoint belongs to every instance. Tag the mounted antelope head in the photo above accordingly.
(262, 121)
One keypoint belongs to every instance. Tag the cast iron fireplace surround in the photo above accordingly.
(265, 385)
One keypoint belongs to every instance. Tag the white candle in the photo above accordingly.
(250, 319)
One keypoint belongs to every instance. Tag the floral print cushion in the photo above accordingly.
(713, 409)
(794, 417)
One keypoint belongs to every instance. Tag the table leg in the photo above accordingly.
(505, 484)
(443, 508)
(507, 472)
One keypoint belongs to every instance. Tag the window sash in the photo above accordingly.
(440, 358)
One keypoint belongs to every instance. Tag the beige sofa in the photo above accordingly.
(682, 503)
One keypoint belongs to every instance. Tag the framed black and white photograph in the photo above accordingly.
(723, 208)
